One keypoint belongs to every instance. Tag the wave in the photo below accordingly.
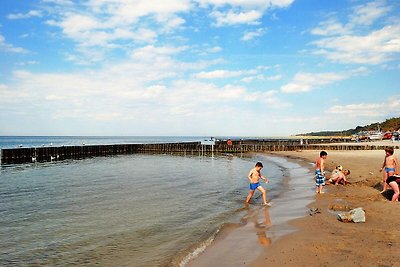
(197, 251)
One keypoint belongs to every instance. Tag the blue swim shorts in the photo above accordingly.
(389, 169)
(254, 186)
(319, 178)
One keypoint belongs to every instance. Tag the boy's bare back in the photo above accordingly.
(319, 163)
(390, 161)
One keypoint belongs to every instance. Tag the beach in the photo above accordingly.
(321, 239)
(91, 212)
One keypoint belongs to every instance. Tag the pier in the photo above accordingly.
(48, 154)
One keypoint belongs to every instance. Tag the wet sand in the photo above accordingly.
(320, 239)
(261, 226)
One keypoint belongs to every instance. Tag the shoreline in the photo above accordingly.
(262, 226)
(322, 240)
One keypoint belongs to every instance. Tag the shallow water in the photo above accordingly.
(260, 226)
(136, 210)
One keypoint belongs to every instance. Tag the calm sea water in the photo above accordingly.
(131, 210)
(135, 210)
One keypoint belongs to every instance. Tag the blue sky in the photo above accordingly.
(197, 67)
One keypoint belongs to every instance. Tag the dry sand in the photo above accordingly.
(322, 240)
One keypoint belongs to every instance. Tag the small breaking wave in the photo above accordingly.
(199, 249)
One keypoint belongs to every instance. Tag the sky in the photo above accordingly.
(197, 67)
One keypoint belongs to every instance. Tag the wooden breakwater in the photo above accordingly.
(47, 154)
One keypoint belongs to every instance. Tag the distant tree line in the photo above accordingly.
(392, 124)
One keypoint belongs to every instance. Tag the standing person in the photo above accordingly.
(254, 178)
(320, 172)
(390, 165)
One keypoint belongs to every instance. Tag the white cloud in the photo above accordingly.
(362, 15)
(105, 25)
(305, 82)
(4, 46)
(137, 91)
(248, 4)
(130, 11)
(367, 14)
(218, 74)
(230, 12)
(27, 63)
(248, 36)
(252, 74)
(274, 78)
(231, 17)
(387, 109)
(358, 41)
(157, 55)
(3, 87)
(214, 49)
(30, 14)
(249, 79)
(171, 23)
(59, 2)
(377, 47)
(331, 27)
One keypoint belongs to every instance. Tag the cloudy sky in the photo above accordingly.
(197, 67)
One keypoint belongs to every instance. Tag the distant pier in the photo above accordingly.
(47, 154)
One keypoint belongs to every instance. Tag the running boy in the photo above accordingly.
(319, 172)
(254, 177)
(390, 165)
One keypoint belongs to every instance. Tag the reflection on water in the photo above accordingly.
(259, 225)
(261, 220)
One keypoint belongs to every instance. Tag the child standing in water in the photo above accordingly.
(319, 172)
(254, 177)
(390, 165)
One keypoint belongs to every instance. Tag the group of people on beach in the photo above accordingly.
(338, 175)
(390, 167)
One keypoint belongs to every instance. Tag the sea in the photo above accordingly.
(128, 210)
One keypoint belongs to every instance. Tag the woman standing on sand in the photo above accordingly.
(391, 167)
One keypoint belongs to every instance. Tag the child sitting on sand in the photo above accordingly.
(319, 172)
(390, 165)
(254, 177)
(339, 176)
(335, 172)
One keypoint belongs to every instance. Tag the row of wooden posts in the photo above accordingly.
(46, 154)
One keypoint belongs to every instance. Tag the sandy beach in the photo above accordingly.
(322, 240)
